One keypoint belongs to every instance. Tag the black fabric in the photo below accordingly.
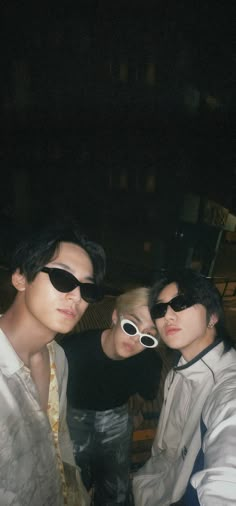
(99, 383)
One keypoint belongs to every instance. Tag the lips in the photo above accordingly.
(129, 347)
(68, 312)
(171, 330)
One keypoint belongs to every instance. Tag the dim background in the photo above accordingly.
(123, 116)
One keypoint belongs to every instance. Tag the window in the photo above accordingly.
(124, 72)
(151, 183)
(124, 181)
(151, 74)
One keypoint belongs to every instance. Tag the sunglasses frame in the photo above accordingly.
(75, 282)
(172, 303)
(123, 321)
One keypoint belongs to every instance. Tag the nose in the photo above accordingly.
(74, 294)
(170, 313)
(135, 338)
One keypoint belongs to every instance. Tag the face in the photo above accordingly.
(185, 330)
(125, 346)
(56, 311)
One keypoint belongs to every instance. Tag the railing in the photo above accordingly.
(226, 286)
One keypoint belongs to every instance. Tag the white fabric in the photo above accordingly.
(205, 387)
(28, 464)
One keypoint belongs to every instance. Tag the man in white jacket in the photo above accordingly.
(193, 459)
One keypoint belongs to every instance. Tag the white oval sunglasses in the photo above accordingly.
(129, 328)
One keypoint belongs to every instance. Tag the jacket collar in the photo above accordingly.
(183, 365)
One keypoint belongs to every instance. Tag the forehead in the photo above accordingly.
(141, 314)
(168, 292)
(73, 257)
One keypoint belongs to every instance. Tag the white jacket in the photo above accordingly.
(197, 393)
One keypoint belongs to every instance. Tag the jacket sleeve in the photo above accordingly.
(215, 484)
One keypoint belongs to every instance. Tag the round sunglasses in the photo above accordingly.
(178, 303)
(65, 282)
(130, 329)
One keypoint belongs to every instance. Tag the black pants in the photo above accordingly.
(102, 446)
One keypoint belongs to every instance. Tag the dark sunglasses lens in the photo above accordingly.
(158, 311)
(179, 303)
(130, 329)
(147, 341)
(61, 280)
(90, 292)
(65, 282)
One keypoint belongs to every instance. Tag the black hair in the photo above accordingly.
(39, 246)
(200, 290)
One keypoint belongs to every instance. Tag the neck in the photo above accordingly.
(26, 337)
(107, 342)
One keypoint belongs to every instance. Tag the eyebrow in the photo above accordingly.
(68, 269)
(161, 301)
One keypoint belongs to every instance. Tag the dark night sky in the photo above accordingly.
(69, 123)
(184, 125)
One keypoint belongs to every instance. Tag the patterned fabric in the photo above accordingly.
(28, 457)
(53, 415)
(28, 463)
(102, 445)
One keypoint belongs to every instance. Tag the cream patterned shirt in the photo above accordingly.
(31, 472)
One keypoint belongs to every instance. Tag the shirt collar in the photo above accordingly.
(10, 362)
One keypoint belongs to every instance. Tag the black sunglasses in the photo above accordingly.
(178, 303)
(65, 282)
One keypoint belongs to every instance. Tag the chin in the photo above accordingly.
(63, 330)
(120, 355)
(129, 354)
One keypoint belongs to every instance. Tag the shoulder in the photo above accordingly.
(149, 359)
(152, 357)
(73, 341)
(222, 398)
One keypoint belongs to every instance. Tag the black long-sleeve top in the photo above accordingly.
(98, 382)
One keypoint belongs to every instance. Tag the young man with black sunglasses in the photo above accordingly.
(106, 367)
(56, 272)
(193, 458)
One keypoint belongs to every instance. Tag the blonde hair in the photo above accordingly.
(128, 301)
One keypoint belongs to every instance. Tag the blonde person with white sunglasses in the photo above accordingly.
(107, 367)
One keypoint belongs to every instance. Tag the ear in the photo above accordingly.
(114, 317)
(18, 280)
(213, 320)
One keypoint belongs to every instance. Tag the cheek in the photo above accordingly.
(118, 338)
(82, 307)
(159, 325)
(140, 348)
(42, 298)
(194, 319)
